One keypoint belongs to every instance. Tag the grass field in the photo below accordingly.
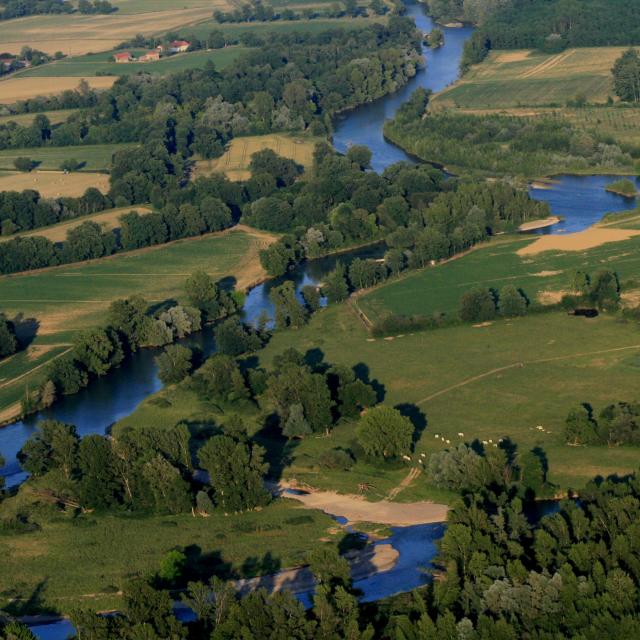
(95, 157)
(58, 232)
(66, 299)
(83, 66)
(25, 119)
(58, 567)
(55, 184)
(235, 161)
(14, 89)
(80, 34)
(526, 78)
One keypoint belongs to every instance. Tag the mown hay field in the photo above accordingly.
(55, 184)
(108, 220)
(18, 88)
(235, 161)
(69, 298)
(94, 157)
(527, 78)
(83, 66)
(79, 34)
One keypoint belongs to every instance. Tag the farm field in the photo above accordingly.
(95, 157)
(544, 277)
(15, 89)
(69, 298)
(58, 232)
(526, 78)
(55, 184)
(25, 119)
(235, 161)
(80, 34)
(83, 66)
(490, 382)
(85, 561)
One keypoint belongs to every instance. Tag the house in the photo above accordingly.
(125, 56)
(179, 46)
(150, 56)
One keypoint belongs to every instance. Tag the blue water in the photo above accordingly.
(581, 201)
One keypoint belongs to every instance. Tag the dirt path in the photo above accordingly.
(406, 482)
(357, 509)
(520, 365)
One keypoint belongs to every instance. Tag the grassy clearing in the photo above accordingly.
(15, 89)
(134, 7)
(527, 78)
(85, 562)
(80, 34)
(66, 299)
(25, 119)
(235, 161)
(95, 157)
(501, 380)
(103, 63)
(109, 219)
(540, 276)
(55, 184)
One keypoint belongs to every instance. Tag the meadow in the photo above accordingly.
(527, 78)
(57, 568)
(63, 300)
(25, 119)
(235, 161)
(14, 89)
(95, 157)
(55, 184)
(91, 64)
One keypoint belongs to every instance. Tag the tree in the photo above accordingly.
(98, 350)
(296, 425)
(24, 164)
(172, 566)
(70, 164)
(360, 156)
(8, 340)
(511, 302)
(171, 493)
(605, 290)
(580, 427)
(289, 311)
(312, 298)
(100, 487)
(53, 446)
(626, 76)
(234, 338)
(383, 432)
(128, 318)
(477, 305)
(335, 286)
(204, 294)
(174, 363)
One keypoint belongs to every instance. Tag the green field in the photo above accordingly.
(58, 568)
(103, 63)
(526, 78)
(439, 288)
(25, 119)
(96, 157)
(66, 299)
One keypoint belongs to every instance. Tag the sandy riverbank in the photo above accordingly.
(580, 241)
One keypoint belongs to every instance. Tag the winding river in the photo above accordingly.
(116, 395)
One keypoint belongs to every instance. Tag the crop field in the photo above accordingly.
(95, 157)
(83, 66)
(526, 78)
(58, 232)
(490, 382)
(542, 276)
(25, 119)
(15, 89)
(69, 298)
(59, 561)
(55, 184)
(235, 161)
(79, 34)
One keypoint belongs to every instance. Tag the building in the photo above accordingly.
(179, 46)
(150, 56)
(125, 56)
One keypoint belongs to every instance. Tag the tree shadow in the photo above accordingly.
(228, 283)
(279, 449)
(19, 605)
(161, 306)
(417, 417)
(253, 566)
(314, 358)
(202, 566)
(26, 329)
(363, 373)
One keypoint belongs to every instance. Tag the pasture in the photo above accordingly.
(85, 561)
(95, 157)
(235, 161)
(66, 299)
(25, 119)
(88, 65)
(527, 78)
(17, 88)
(55, 184)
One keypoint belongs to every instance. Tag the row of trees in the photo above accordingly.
(617, 424)
(8, 338)
(482, 304)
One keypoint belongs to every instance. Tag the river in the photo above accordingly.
(115, 396)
